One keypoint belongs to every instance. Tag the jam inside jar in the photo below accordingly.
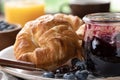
(102, 43)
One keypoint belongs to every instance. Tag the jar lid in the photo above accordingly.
(102, 18)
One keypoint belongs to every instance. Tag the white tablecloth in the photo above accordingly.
(5, 76)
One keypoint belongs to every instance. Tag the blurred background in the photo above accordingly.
(75, 7)
(53, 6)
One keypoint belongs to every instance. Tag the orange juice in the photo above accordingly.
(22, 11)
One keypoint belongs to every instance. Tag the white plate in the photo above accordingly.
(8, 53)
(30, 75)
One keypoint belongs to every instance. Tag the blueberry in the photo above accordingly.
(1, 22)
(85, 73)
(58, 75)
(10, 27)
(58, 71)
(63, 69)
(81, 75)
(2, 27)
(5, 26)
(80, 65)
(48, 74)
(69, 76)
(90, 76)
(74, 60)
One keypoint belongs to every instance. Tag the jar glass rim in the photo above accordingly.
(108, 17)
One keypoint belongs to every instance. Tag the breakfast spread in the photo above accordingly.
(62, 46)
(49, 41)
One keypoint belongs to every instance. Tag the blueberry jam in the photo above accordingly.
(6, 26)
(102, 48)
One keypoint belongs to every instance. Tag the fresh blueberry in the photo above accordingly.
(1, 22)
(48, 74)
(58, 75)
(74, 60)
(58, 71)
(91, 76)
(69, 76)
(5, 26)
(63, 69)
(2, 27)
(10, 27)
(85, 73)
(80, 65)
(81, 75)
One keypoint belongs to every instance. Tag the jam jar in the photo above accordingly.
(102, 43)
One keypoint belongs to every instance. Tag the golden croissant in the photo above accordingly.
(49, 41)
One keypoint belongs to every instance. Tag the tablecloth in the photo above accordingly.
(6, 76)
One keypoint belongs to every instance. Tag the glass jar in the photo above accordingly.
(102, 43)
(22, 11)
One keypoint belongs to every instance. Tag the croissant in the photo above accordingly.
(81, 31)
(49, 41)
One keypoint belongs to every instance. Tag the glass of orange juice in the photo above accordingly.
(22, 11)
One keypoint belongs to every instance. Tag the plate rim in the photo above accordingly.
(20, 74)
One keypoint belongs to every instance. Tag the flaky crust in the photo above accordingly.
(49, 41)
(81, 31)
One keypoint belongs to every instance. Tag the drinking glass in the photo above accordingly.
(22, 11)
